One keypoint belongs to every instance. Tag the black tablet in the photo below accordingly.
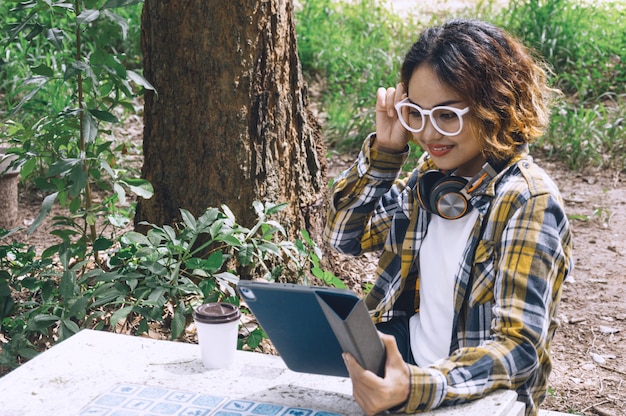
(311, 326)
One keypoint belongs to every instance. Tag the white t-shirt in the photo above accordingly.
(440, 257)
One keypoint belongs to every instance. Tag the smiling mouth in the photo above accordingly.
(438, 150)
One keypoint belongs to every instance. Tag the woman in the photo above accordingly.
(475, 244)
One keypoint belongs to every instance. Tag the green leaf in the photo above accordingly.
(307, 237)
(269, 247)
(43, 70)
(245, 254)
(39, 84)
(79, 308)
(300, 247)
(137, 238)
(227, 277)
(6, 306)
(46, 206)
(46, 318)
(78, 182)
(67, 284)
(255, 338)
(87, 16)
(55, 36)
(143, 326)
(121, 193)
(111, 4)
(317, 272)
(178, 321)
(208, 218)
(70, 325)
(119, 20)
(156, 268)
(229, 214)
(28, 167)
(120, 314)
(74, 68)
(140, 187)
(62, 167)
(258, 208)
(104, 116)
(102, 243)
(62, 5)
(90, 128)
(119, 220)
(138, 79)
(107, 277)
(28, 353)
(215, 261)
(229, 239)
(188, 219)
(170, 232)
(270, 228)
(48, 290)
(273, 209)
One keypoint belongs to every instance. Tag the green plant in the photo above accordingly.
(20, 299)
(354, 47)
(584, 43)
(582, 135)
(151, 281)
(64, 96)
(309, 249)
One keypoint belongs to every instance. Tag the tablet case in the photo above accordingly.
(311, 326)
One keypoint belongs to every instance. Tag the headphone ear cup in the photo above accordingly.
(446, 199)
(424, 189)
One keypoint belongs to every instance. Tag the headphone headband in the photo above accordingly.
(487, 171)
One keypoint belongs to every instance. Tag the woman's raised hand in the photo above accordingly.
(390, 135)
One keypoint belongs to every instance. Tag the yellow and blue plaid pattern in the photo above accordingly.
(518, 255)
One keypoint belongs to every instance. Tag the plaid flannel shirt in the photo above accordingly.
(519, 253)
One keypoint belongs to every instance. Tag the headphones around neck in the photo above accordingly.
(448, 196)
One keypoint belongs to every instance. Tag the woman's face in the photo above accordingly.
(462, 151)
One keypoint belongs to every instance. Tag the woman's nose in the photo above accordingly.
(430, 132)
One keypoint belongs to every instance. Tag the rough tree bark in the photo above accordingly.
(229, 123)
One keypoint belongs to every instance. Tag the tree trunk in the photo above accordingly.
(229, 122)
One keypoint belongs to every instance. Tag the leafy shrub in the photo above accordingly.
(151, 281)
(65, 85)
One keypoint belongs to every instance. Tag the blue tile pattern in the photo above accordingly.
(137, 400)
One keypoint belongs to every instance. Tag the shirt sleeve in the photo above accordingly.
(361, 202)
(523, 286)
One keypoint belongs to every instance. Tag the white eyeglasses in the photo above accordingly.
(446, 120)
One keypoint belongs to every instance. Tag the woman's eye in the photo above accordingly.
(446, 116)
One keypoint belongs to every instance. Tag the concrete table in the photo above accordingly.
(72, 375)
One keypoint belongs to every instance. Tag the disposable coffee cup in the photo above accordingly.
(217, 325)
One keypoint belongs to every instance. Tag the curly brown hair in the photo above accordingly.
(504, 84)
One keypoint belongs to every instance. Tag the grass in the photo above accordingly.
(585, 44)
(350, 48)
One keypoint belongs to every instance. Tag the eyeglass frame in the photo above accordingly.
(460, 112)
